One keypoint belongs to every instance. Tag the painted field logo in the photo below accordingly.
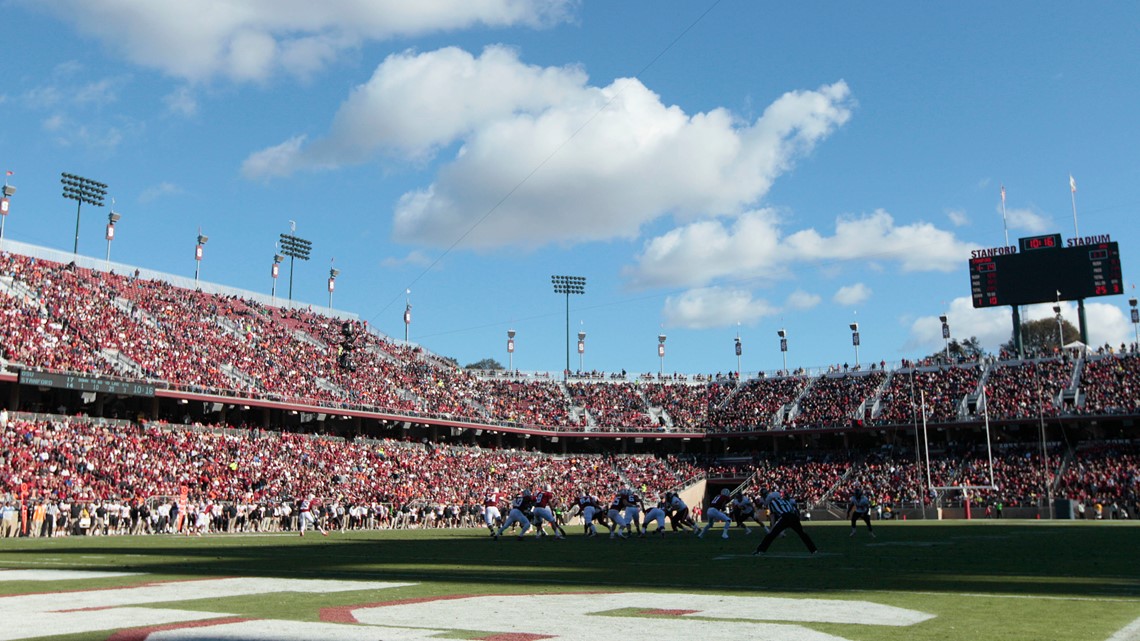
(573, 617)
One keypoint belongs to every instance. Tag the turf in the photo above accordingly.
(1007, 580)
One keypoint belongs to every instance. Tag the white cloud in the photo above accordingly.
(753, 247)
(1107, 323)
(553, 158)
(414, 258)
(154, 192)
(714, 307)
(1028, 220)
(182, 102)
(253, 39)
(800, 299)
(849, 295)
(957, 217)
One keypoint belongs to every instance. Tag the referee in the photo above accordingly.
(787, 516)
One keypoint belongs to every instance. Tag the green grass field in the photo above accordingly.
(1007, 580)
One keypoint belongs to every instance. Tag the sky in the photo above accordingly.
(714, 169)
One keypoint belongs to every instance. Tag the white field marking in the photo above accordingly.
(277, 630)
(56, 575)
(1130, 632)
(742, 614)
(35, 615)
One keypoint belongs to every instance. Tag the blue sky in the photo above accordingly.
(711, 168)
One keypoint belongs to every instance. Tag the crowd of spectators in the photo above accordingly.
(837, 400)
(754, 404)
(60, 316)
(1027, 389)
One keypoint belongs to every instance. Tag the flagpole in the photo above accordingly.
(1073, 193)
(1004, 223)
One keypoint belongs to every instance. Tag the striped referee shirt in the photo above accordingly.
(782, 506)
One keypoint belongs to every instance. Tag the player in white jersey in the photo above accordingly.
(859, 507)
(744, 510)
(678, 512)
(632, 512)
(655, 513)
(307, 518)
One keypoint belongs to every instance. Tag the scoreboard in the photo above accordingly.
(1044, 271)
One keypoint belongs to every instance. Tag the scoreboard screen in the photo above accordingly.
(1036, 276)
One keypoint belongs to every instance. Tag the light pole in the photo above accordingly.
(581, 348)
(407, 312)
(1060, 328)
(661, 354)
(82, 190)
(739, 351)
(198, 255)
(783, 334)
(855, 340)
(511, 350)
(945, 335)
(294, 247)
(1135, 323)
(568, 285)
(333, 273)
(8, 192)
(112, 218)
(274, 271)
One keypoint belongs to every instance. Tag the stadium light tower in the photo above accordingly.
(511, 350)
(333, 273)
(581, 348)
(739, 351)
(568, 285)
(274, 271)
(8, 192)
(783, 334)
(945, 335)
(82, 190)
(294, 247)
(407, 312)
(1060, 327)
(855, 340)
(112, 218)
(661, 355)
(1135, 321)
(198, 255)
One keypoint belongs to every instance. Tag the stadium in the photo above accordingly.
(117, 432)
(243, 449)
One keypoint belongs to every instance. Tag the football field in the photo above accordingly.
(1001, 580)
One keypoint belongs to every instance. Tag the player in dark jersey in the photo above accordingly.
(717, 513)
(491, 515)
(520, 506)
(787, 516)
(543, 504)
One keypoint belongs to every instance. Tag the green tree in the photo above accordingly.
(486, 363)
(1040, 337)
(969, 349)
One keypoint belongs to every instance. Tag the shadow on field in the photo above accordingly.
(1003, 557)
